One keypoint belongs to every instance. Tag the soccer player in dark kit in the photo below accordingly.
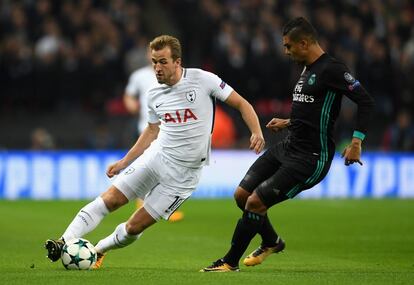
(304, 157)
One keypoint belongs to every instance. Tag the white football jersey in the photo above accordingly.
(139, 83)
(186, 112)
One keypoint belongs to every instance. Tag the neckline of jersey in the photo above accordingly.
(316, 61)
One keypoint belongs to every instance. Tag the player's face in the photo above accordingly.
(297, 51)
(164, 66)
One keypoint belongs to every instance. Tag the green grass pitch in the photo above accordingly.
(328, 242)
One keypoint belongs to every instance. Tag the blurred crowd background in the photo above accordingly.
(64, 65)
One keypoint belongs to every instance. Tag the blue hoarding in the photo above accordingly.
(81, 174)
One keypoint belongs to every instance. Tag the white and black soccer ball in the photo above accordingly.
(78, 253)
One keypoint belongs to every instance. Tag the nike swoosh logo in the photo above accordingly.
(157, 105)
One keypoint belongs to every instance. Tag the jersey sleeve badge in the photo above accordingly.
(353, 83)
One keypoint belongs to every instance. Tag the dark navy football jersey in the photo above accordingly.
(316, 104)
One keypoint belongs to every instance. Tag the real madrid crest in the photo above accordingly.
(312, 79)
(191, 96)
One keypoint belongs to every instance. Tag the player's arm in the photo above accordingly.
(277, 124)
(341, 78)
(131, 103)
(365, 103)
(250, 118)
(149, 134)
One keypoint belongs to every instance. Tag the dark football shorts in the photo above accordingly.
(280, 173)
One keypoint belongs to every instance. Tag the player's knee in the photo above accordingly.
(240, 196)
(134, 228)
(255, 204)
(137, 225)
(113, 199)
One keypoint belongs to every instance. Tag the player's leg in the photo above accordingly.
(175, 217)
(297, 176)
(182, 179)
(268, 234)
(158, 204)
(87, 219)
(165, 185)
(127, 186)
(274, 244)
(246, 228)
(253, 217)
(261, 170)
(92, 214)
(135, 182)
(124, 234)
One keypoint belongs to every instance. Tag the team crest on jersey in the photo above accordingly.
(191, 96)
(312, 79)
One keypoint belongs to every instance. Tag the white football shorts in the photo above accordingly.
(161, 183)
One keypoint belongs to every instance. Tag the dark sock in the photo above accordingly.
(247, 227)
(268, 234)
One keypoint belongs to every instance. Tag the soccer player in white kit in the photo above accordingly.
(135, 101)
(166, 172)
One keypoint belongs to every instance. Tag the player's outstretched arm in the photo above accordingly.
(339, 77)
(352, 153)
(249, 116)
(149, 134)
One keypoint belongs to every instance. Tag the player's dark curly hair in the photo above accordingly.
(298, 29)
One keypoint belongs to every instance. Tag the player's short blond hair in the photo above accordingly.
(163, 41)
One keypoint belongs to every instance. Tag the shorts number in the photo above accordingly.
(177, 202)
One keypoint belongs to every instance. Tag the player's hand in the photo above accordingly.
(277, 124)
(352, 154)
(115, 168)
(257, 142)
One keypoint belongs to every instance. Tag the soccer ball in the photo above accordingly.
(78, 253)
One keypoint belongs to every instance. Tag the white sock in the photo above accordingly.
(118, 239)
(87, 219)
